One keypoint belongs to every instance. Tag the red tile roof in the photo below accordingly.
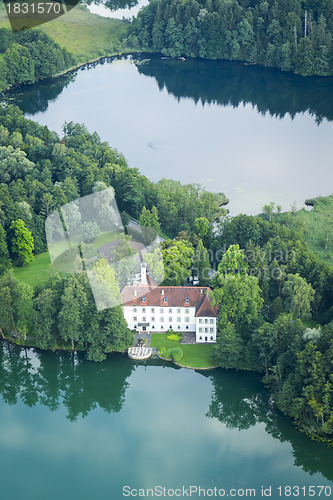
(175, 297)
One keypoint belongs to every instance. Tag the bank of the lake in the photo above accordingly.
(220, 105)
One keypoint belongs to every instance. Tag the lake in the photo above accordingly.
(71, 428)
(257, 134)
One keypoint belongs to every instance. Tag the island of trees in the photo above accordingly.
(273, 278)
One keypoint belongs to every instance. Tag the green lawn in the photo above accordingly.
(196, 355)
(36, 272)
(39, 270)
(87, 36)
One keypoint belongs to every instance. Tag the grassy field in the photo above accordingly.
(87, 36)
(36, 272)
(195, 355)
(318, 225)
(39, 269)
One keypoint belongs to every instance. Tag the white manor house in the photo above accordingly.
(150, 308)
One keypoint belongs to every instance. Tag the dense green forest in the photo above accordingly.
(273, 282)
(293, 35)
(29, 56)
(38, 173)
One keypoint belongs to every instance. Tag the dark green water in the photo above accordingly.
(259, 135)
(76, 429)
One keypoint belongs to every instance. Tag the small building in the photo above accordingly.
(161, 308)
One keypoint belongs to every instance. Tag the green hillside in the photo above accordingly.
(87, 36)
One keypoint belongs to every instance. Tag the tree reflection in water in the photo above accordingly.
(239, 400)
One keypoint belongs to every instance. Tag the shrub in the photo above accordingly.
(174, 336)
(175, 353)
(163, 352)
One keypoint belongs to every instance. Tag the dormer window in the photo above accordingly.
(187, 300)
(143, 299)
(165, 300)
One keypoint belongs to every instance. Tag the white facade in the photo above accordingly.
(161, 319)
(205, 329)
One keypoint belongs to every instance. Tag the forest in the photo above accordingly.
(273, 280)
(40, 172)
(292, 35)
(29, 56)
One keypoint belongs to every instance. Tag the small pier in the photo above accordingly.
(139, 353)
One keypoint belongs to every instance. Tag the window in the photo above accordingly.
(170, 327)
(161, 309)
(178, 327)
(143, 299)
(170, 310)
(153, 326)
(143, 309)
(211, 337)
(206, 320)
(178, 319)
(178, 311)
(187, 312)
(200, 320)
(134, 309)
(135, 318)
(170, 319)
(200, 329)
(211, 321)
(165, 300)
(186, 300)
(200, 338)
(211, 330)
(187, 320)
(144, 319)
(153, 318)
(161, 327)
(134, 326)
(186, 327)
(153, 309)
(162, 319)
(206, 330)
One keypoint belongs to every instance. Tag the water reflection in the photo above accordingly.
(239, 400)
(118, 9)
(208, 82)
(51, 379)
(36, 98)
(114, 4)
(231, 84)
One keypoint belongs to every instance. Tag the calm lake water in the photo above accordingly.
(127, 12)
(258, 135)
(76, 429)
